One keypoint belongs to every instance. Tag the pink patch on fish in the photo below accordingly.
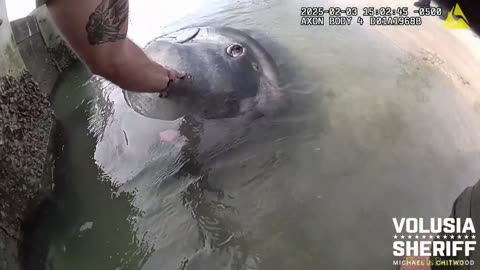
(172, 136)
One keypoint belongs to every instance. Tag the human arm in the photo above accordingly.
(96, 30)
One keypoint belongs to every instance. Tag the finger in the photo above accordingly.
(164, 93)
(174, 74)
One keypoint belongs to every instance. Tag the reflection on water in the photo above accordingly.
(373, 133)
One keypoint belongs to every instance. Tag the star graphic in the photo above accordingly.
(466, 236)
(402, 237)
(423, 236)
(438, 236)
(416, 236)
(473, 236)
(431, 236)
(395, 236)
(409, 237)
(452, 236)
(444, 237)
(459, 236)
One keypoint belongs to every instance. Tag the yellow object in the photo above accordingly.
(460, 23)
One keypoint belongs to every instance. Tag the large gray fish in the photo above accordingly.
(232, 89)
(230, 74)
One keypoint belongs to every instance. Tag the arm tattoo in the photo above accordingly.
(104, 24)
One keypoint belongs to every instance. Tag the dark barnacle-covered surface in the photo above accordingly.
(26, 123)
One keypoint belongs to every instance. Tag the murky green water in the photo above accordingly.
(373, 133)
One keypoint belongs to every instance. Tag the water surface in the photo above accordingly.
(374, 132)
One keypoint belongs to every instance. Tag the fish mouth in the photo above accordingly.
(184, 99)
(206, 104)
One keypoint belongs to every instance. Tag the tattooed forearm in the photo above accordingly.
(105, 23)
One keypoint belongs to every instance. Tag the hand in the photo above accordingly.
(171, 76)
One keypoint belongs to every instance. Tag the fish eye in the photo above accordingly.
(235, 50)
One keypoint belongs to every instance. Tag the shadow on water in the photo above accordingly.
(214, 196)
(86, 223)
